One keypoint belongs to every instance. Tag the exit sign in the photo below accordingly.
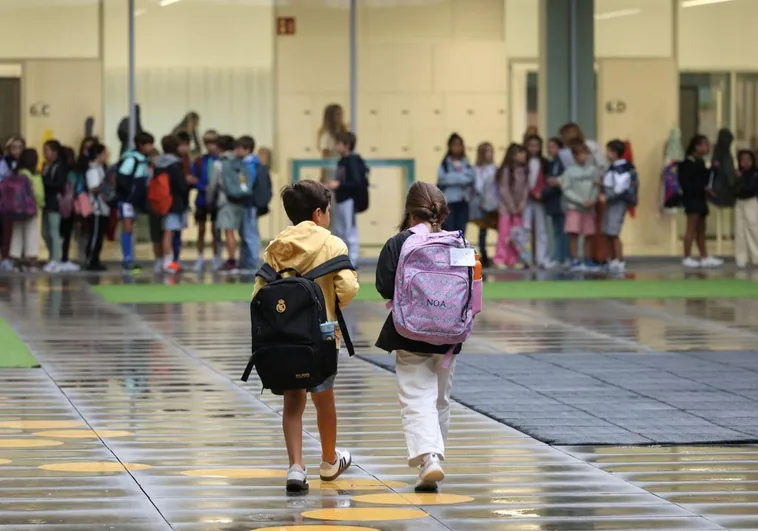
(285, 26)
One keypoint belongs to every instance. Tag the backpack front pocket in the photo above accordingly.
(285, 367)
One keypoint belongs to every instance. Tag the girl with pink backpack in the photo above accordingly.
(428, 277)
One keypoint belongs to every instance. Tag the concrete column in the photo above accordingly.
(567, 85)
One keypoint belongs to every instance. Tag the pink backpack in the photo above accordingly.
(433, 300)
(17, 198)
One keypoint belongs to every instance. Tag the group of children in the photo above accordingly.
(424, 375)
(518, 197)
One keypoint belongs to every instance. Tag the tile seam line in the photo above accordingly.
(105, 444)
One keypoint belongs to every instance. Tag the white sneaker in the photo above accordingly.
(158, 267)
(711, 261)
(6, 265)
(69, 267)
(617, 266)
(297, 480)
(52, 267)
(199, 265)
(430, 475)
(691, 263)
(218, 263)
(331, 471)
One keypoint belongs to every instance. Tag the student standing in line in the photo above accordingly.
(694, 180)
(485, 197)
(351, 193)
(131, 189)
(424, 371)
(617, 183)
(68, 215)
(552, 197)
(170, 164)
(204, 212)
(97, 154)
(331, 128)
(303, 247)
(535, 219)
(746, 211)
(513, 188)
(8, 163)
(250, 244)
(580, 192)
(455, 178)
(54, 176)
(25, 239)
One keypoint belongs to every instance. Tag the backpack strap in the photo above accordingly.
(339, 263)
(267, 273)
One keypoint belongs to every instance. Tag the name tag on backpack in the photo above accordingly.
(462, 257)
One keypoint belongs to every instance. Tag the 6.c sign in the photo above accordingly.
(39, 108)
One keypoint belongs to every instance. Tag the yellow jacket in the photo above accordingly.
(304, 247)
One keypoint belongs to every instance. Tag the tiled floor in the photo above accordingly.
(138, 421)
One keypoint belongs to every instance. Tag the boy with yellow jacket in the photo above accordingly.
(302, 247)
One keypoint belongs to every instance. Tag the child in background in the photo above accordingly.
(54, 177)
(484, 201)
(69, 220)
(201, 170)
(746, 211)
(184, 139)
(8, 162)
(25, 238)
(534, 217)
(170, 163)
(552, 197)
(250, 248)
(580, 193)
(456, 180)
(424, 379)
(96, 155)
(617, 183)
(513, 188)
(302, 247)
(350, 188)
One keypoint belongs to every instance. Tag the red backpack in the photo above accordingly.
(17, 198)
(159, 197)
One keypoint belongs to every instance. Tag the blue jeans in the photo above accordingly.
(344, 227)
(250, 250)
(560, 239)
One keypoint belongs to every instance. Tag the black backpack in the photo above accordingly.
(286, 314)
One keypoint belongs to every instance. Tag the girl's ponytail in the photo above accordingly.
(427, 203)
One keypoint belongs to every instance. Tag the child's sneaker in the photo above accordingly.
(199, 265)
(297, 480)
(158, 267)
(577, 266)
(430, 475)
(52, 267)
(172, 268)
(591, 265)
(711, 261)
(691, 262)
(331, 471)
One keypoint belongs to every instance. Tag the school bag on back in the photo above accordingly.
(159, 197)
(17, 198)
(672, 191)
(433, 298)
(289, 349)
(235, 178)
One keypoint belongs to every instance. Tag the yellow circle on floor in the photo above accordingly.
(40, 424)
(4, 461)
(392, 498)
(357, 484)
(354, 514)
(237, 473)
(318, 528)
(83, 434)
(94, 466)
(28, 443)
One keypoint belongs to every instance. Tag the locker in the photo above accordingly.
(395, 111)
(396, 143)
(428, 111)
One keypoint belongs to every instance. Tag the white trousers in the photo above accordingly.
(346, 228)
(25, 240)
(424, 387)
(745, 232)
(536, 220)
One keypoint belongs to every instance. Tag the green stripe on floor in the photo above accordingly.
(525, 290)
(13, 351)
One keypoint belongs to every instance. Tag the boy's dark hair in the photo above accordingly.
(557, 141)
(225, 142)
(302, 198)
(577, 146)
(617, 146)
(183, 137)
(170, 144)
(95, 151)
(143, 139)
(28, 160)
(246, 142)
(349, 139)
